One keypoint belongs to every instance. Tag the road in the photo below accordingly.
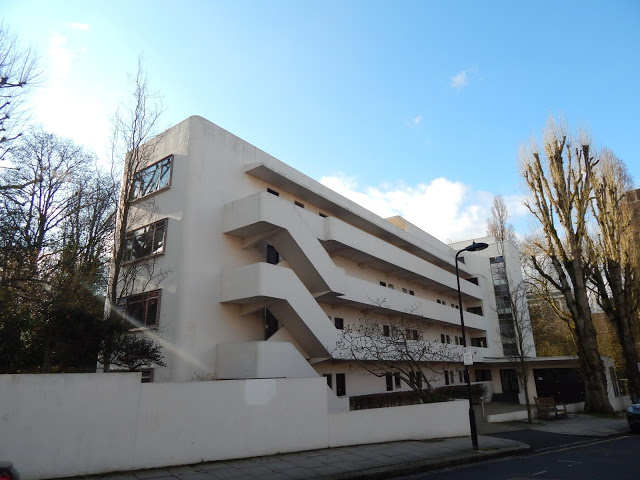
(612, 458)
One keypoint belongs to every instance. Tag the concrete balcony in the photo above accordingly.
(341, 239)
(261, 360)
(278, 288)
(369, 295)
(266, 217)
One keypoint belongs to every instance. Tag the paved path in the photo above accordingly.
(381, 460)
(357, 462)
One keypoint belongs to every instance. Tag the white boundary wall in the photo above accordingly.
(78, 424)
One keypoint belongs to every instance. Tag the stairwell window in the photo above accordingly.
(299, 204)
(339, 322)
(145, 241)
(152, 179)
(147, 375)
(142, 310)
(273, 192)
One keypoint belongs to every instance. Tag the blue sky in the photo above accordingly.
(415, 108)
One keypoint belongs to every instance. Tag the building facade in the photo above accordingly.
(259, 270)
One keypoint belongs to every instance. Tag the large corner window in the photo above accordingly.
(142, 310)
(145, 241)
(152, 179)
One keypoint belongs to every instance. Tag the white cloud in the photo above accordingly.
(80, 26)
(450, 211)
(462, 78)
(415, 121)
(61, 56)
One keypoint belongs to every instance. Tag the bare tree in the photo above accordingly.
(511, 300)
(560, 187)
(396, 345)
(498, 225)
(517, 335)
(614, 252)
(134, 140)
(18, 72)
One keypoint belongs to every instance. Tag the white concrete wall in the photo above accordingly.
(80, 424)
(399, 423)
(214, 170)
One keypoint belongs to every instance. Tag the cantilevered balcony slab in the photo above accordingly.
(287, 298)
(268, 217)
(369, 295)
(362, 247)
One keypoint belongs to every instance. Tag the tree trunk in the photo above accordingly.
(630, 356)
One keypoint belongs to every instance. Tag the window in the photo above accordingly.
(475, 310)
(461, 259)
(439, 301)
(397, 380)
(457, 340)
(299, 204)
(145, 241)
(473, 280)
(385, 330)
(273, 192)
(483, 375)
(389, 380)
(339, 322)
(411, 292)
(442, 338)
(147, 375)
(404, 290)
(273, 257)
(452, 377)
(341, 385)
(457, 307)
(390, 286)
(448, 339)
(322, 215)
(446, 377)
(411, 334)
(329, 380)
(479, 342)
(453, 305)
(383, 284)
(142, 310)
(460, 376)
(499, 259)
(152, 179)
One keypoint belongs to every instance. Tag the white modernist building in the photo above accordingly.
(263, 268)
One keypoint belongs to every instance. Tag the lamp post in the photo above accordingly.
(474, 247)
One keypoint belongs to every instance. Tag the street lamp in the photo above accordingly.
(474, 247)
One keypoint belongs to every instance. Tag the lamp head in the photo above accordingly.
(475, 247)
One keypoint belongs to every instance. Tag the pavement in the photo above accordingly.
(384, 460)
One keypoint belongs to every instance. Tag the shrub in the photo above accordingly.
(460, 391)
(394, 399)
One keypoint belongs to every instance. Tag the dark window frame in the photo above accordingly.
(134, 194)
(341, 384)
(147, 376)
(130, 302)
(131, 236)
(339, 323)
